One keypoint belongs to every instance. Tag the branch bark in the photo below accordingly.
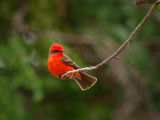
(122, 47)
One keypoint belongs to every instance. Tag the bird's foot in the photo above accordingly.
(62, 77)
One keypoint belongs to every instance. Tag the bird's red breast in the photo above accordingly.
(57, 67)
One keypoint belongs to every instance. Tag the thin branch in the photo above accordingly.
(122, 47)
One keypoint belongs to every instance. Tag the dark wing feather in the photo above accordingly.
(65, 59)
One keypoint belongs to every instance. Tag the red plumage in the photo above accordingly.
(58, 64)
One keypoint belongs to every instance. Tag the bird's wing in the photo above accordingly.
(65, 59)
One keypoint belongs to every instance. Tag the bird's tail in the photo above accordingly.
(85, 81)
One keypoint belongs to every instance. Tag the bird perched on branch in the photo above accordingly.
(58, 64)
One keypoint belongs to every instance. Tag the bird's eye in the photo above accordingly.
(55, 51)
(52, 52)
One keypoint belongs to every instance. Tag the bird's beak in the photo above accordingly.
(61, 50)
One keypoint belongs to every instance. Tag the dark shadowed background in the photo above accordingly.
(90, 31)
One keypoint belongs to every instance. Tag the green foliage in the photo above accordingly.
(28, 91)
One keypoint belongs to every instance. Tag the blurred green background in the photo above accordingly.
(90, 31)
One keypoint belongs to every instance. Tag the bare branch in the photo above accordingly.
(122, 47)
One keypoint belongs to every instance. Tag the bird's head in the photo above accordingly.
(56, 49)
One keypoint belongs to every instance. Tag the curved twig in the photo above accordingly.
(122, 47)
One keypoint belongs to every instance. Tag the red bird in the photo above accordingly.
(58, 64)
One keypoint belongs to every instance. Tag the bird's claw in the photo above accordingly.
(62, 77)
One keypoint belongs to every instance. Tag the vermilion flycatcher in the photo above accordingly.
(58, 64)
